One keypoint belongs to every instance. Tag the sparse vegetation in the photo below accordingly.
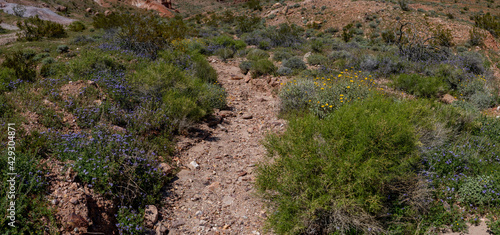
(390, 125)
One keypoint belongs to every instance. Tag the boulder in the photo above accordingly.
(61, 8)
(150, 215)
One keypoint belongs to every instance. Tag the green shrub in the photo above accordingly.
(264, 45)
(245, 66)
(284, 35)
(442, 37)
(324, 95)
(389, 36)
(336, 55)
(347, 32)
(144, 34)
(48, 60)
(328, 176)
(488, 22)
(225, 53)
(254, 5)
(22, 63)
(280, 55)
(403, 4)
(284, 71)
(317, 45)
(429, 87)
(262, 67)
(77, 26)
(82, 40)
(62, 49)
(33, 29)
(40, 56)
(295, 63)
(316, 59)
(257, 54)
(247, 24)
(476, 38)
(183, 97)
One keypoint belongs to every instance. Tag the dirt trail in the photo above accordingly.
(218, 196)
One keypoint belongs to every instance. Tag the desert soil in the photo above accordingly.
(218, 195)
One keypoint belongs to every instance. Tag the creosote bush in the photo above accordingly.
(77, 26)
(326, 176)
(428, 87)
(33, 29)
(21, 62)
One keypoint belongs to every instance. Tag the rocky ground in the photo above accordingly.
(214, 191)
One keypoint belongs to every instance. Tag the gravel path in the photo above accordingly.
(218, 195)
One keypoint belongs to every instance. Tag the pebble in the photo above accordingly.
(247, 116)
(73, 200)
(198, 213)
(55, 202)
(194, 165)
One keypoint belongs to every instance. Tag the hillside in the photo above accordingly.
(250, 117)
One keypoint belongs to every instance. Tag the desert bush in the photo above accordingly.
(324, 95)
(82, 40)
(33, 29)
(442, 37)
(7, 76)
(295, 63)
(264, 45)
(390, 64)
(23, 65)
(317, 45)
(257, 54)
(284, 35)
(77, 26)
(316, 59)
(224, 53)
(472, 62)
(389, 36)
(332, 30)
(326, 176)
(403, 4)
(143, 34)
(262, 67)
(284, 71)
(488, 22)
(245, 66)
(476, 38)
(247, 24)
(429, 87)
(368, 63)
(336, 55)
(254, 5)
(62, 49)
(40, 56)
(280, 55)
(347, 32)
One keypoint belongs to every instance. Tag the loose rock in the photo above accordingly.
(150, 215)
